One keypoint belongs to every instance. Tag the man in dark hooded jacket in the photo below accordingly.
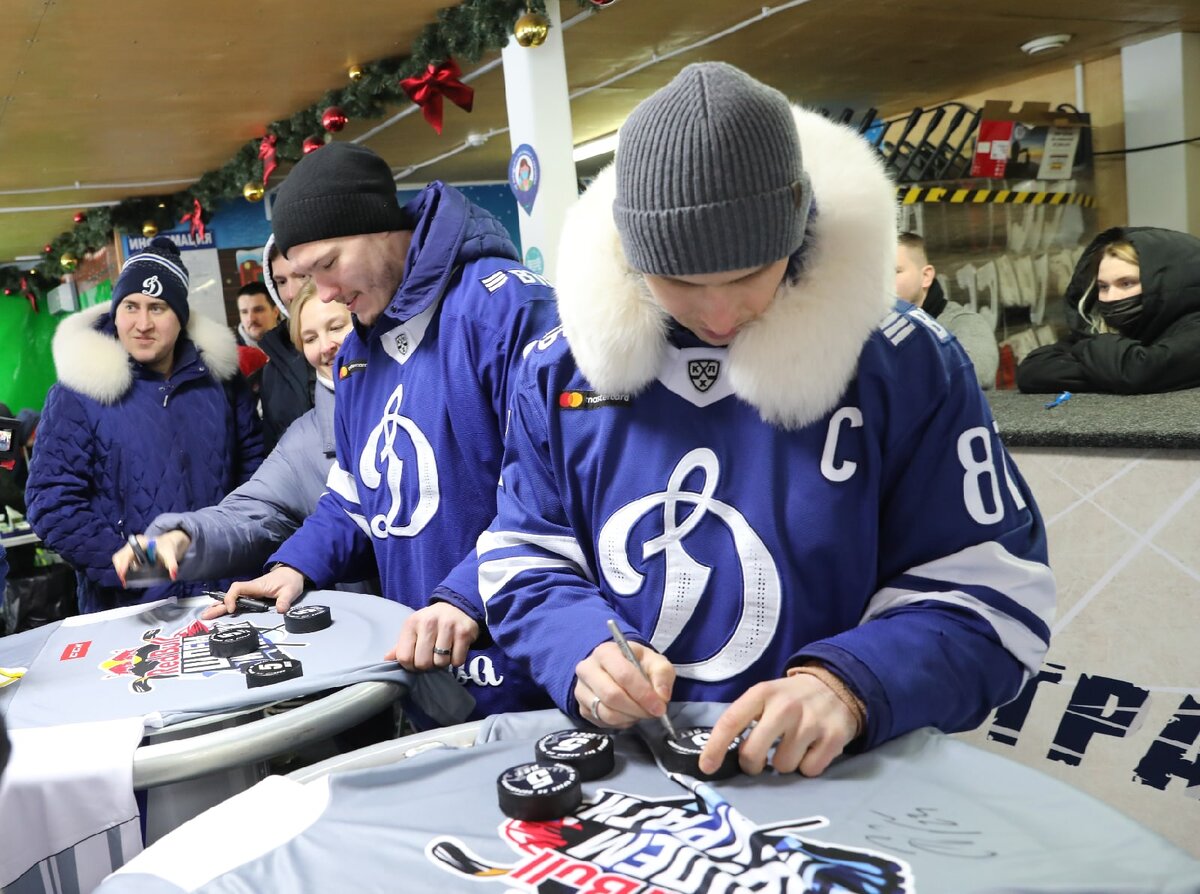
(1133, 307)
(443, 312)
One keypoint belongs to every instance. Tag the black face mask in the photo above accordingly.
(1124, 315)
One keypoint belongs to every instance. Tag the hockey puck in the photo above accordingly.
(681, 753)
(307, 618)
(231, 641)
(592, 754)
(535, 792)
(267, 673)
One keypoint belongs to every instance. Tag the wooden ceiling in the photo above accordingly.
(95, 96)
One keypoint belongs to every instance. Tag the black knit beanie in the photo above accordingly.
(710, 176)
(341, 189)
(158, 272)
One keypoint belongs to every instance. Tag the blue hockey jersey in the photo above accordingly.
(827, 488)
(422, 395)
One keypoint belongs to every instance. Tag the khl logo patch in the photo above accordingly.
(703, 373)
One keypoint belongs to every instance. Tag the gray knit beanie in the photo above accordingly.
(709, 176)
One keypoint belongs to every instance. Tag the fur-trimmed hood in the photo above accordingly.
(89, 358)
(794, 362)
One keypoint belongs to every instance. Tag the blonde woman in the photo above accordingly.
(1133, 306)
(234, 538)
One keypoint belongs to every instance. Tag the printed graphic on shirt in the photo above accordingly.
(185, 654)
(350, 368)
(625, 842)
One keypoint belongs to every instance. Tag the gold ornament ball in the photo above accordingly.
(149, 229)
(253, 191)
(531, 29)
(68, 262)
(355, 72)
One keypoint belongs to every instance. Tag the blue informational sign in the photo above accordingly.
(524, 174)
(183, 240)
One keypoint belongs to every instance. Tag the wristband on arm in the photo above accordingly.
(840, 689)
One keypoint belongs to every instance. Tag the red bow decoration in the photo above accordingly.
(266, 151)
(195, 219)
(427, 90)
(29, 295)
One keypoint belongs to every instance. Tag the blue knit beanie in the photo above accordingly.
(158, 272)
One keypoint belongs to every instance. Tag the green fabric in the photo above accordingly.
(26, 367)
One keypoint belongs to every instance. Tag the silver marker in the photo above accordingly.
(623, 644)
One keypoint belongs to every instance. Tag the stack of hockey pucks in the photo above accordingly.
(550, 788)
(233, 641)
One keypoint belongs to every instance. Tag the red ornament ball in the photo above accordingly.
(311, 144)
(333, 119)
(9, 292)
(47, 248)
(80, 217)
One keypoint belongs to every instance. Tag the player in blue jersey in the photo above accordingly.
(782, 484)
(443, 311)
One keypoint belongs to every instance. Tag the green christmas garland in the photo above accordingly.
(465, 32)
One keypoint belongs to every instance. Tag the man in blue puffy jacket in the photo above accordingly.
(148, 416)
(443, 314)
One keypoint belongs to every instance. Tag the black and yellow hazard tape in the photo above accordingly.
(912, 195)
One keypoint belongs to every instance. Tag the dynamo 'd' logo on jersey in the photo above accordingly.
(686, 579)
(380, 464)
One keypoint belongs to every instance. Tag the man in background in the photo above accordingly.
(257, 315)
(149, 415)
(916, 283)
(287, 381)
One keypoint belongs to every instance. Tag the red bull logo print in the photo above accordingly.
(619, 843)
(179, 655)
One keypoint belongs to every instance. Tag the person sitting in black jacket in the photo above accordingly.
(1133, 306)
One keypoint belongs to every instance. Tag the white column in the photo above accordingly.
(1161, 79)
(539, 115)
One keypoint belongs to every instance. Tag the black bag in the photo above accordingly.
(38, 597)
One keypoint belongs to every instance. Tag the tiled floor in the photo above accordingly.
(1123, 529)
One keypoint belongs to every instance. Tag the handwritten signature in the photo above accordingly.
(921, 829)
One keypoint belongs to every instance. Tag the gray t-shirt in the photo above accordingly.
(86, 687)
(921, 813)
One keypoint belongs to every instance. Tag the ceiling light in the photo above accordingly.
(1045, 44)
(592, 148)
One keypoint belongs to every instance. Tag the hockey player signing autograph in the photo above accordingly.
(787, 490)
(443, 312)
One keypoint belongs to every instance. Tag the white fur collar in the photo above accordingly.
(795, 362)
(94, 363)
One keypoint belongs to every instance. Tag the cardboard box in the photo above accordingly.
(1035, 143)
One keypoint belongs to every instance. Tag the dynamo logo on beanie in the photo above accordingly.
(157, 272)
